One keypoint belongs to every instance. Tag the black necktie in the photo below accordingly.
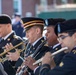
(1, 40)
(28, 49)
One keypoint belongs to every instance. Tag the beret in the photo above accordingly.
(66, 26)
(52, 21)
(5, 19)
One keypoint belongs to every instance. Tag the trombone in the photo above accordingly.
(5, 52)
(53, 54)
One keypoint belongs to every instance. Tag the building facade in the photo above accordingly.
(26, 7)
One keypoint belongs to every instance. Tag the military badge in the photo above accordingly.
(61, 64)
(8, 39)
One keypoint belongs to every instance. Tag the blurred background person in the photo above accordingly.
(17, 25)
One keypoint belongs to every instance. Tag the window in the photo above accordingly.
(17, 5)
(64, 1)
(43, 2)
(0, 7)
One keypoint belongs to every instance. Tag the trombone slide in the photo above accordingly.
(53, 54)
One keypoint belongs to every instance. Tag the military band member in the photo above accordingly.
(51, 37)
(8, 36)
(66, 33)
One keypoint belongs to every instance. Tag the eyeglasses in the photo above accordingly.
(62, 37)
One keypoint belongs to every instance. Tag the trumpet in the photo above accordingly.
(5, 52)
(53, 54)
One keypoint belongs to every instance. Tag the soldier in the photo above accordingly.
(66, 33)
(52, 38)
(8, 36)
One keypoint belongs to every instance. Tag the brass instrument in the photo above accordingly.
(24, 67)
(53, 54)
(5, 52)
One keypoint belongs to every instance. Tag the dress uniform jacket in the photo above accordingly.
(40, 51)
(66, 67)
(2, 72)
(12, 38)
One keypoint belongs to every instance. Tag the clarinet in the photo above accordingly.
(24, 68)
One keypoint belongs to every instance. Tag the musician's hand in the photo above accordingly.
(18, 70)
(13, 56)
(25, 73)
(8, 46)
(47, 58)
(29, 62)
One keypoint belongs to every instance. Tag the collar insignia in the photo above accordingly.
(61, 64)
(56, 49)
(74, 51)
(8, 39)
